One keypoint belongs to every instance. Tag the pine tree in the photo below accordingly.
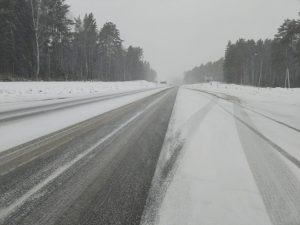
(38, 41)
(110, 48)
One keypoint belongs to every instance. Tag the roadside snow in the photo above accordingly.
(26, 129)
(279, 103)
(250, 92)
(30, 91)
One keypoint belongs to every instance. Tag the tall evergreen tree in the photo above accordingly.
(110, 48)
(38, 41)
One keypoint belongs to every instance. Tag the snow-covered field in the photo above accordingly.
(21, 95)
(231, 157)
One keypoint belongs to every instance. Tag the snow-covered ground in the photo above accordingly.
(231, 157)
(280, 103)
(14, 96)
(28, 91)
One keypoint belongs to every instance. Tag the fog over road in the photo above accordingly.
(95, 172)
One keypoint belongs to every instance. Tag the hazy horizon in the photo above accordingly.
(178, 35)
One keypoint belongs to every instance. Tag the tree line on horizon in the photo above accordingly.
(211, 71)
(39, 41)
(263, 63)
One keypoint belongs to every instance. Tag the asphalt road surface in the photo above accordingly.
(95, 172)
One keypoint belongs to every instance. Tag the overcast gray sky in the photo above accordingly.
(177, 35)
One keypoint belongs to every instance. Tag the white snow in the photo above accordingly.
(279, 103)
(30, 91)
(21, 131)
(212, 182)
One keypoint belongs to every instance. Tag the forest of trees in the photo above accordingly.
(212, 71)
(39, 41)
(263, 63)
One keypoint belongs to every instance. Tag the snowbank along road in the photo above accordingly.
(9, 115)
(206, 154)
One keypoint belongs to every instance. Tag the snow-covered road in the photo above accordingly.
(231, 157)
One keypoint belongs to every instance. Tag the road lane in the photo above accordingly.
(275, 139)
(211, 182)
(237, 167)
(279, 186)
(101, 175)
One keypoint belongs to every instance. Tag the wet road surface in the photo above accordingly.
(95, 172)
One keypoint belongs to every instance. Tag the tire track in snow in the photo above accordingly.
(235, 100)
(172, 151)
(283, 152)
(279, 187)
